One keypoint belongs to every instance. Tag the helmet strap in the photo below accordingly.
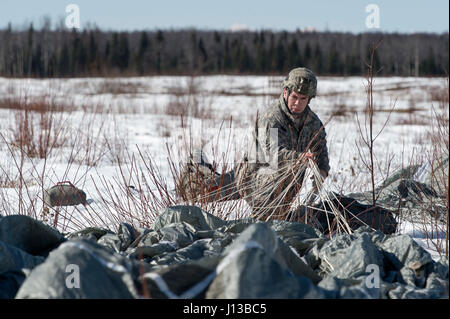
(288, 92)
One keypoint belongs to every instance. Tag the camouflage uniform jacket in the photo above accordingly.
(279, 139)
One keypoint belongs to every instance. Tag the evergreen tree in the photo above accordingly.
(203, 54)
(93, 67)
(236, 54)
(107, 55)
(271, 64)
(52, 66)
(307, 55)
(64, 61)
(218, 52)
(114, 51)
(428, 65)
(141, 62)
(332, 61)
(143, 44)
(280, 57)
(28, 51)
(294, 58)
(123, 54)
(160, 45)
(317, 65)
(227, 65)
(352, 65)
(244, 63)
(37, 67)
(261, 55)
(79, 56)
(46, 52)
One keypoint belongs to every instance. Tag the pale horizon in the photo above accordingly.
(320, 16)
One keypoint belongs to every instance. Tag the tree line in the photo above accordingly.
(62, 52)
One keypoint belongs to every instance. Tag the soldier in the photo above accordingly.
(270, 176)
(286, 135)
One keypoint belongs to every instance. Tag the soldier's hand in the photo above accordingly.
(306, 156)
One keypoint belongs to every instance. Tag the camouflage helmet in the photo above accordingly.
(301, 80)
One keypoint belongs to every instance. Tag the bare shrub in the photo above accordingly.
(136, 195)
(367, 135)
(19, 183)
(204, 195)
(189, 101)
(439, 94)
(118, 87)
(340, 109)
(438, 159)
(413, 119)
(87, 143)
(39, 126)
(116, 144)
(140, 191)
(177, 106)
(430, 215)
(35, 104)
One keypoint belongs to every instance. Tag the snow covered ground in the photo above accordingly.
(104, 132)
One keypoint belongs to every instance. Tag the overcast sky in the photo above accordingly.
(403, 16)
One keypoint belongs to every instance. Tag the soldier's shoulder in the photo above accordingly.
(271, 115)
(313, 117)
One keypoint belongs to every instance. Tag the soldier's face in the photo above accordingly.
(296, 102)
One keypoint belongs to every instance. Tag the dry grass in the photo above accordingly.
(245, 91)
(342, 110)
(141, 189)
(413, 119)
(439, 137)
(38, 104)
(433, 210)
(8, 181)
(42, 134)
(39, 126)
(187, 101)
(118, 87)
